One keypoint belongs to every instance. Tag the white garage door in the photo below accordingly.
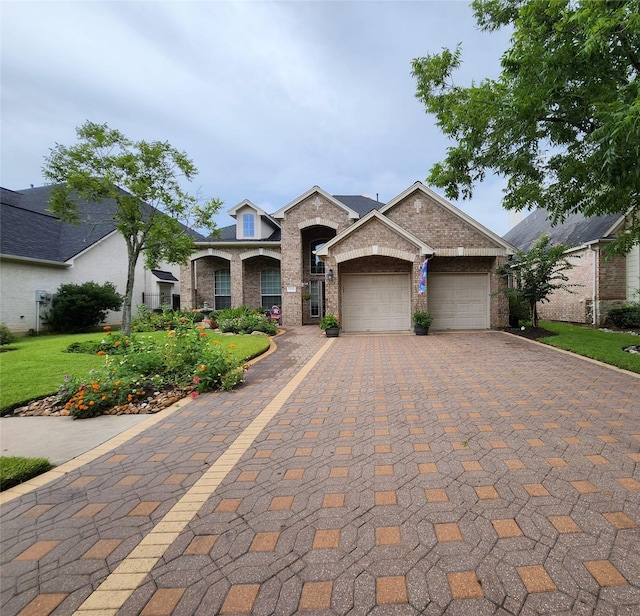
(376, 303)
(459, 301)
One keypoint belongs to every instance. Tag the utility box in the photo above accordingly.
(42, 297)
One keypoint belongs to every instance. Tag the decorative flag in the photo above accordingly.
(423, 278)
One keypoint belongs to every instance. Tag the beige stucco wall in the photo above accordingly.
(106, 261)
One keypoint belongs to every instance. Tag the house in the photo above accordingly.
(600, 282)
(355, 257)
(38, 253)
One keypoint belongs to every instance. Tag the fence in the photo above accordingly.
(155, 301)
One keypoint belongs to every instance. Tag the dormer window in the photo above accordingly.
(248, 225)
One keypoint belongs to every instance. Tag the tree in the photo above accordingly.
(143, 179)
(80, 307)
(562, 121)
(537, 273)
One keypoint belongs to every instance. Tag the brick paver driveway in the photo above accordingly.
(466, 474)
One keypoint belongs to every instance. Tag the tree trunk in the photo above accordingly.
(128, 294)
(534, 314)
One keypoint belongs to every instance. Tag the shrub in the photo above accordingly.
(78, 308)
(148, 320)
(6, 336)
(627, 316)
(422, 319)
(142, 366)
(329, 320)
(245, 321)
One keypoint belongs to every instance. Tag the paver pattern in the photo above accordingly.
(461, 474)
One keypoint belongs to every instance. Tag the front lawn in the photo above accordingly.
(594, 343)
(15, 470)
(34, 367)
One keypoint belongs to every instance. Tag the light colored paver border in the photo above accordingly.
(111, 595)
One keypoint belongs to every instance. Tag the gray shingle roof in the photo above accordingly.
(576, 230)
(29, 230)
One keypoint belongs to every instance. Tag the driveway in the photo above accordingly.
(458, 473)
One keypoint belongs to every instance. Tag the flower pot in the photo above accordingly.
(421, 331)
(332, 332)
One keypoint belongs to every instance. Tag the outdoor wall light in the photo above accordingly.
(330, 275)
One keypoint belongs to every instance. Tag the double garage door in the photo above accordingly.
(382, 302)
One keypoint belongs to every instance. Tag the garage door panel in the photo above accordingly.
(376, 302)
(459, 301)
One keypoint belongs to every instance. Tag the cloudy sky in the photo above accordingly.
(267, 98)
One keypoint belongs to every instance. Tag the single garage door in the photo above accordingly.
(376, 302)
(459, 301)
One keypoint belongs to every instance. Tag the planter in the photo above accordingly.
(421, 331)
(332, 332)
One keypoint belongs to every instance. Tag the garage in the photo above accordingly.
(376, 302)
(459, 301)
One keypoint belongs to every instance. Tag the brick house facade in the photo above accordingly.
(356, 258)
(598, 282)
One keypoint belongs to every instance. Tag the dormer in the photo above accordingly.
(252, 223)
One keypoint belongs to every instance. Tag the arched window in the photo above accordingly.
(270, 289)
(222, 289)
(317, 266)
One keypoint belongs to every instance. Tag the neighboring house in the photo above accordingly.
(357, 258)
(38, 253)
(600, 282)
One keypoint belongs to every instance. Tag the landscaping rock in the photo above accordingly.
(50, 407)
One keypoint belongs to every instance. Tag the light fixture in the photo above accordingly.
(330, 274)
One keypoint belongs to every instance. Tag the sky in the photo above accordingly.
(267, 98)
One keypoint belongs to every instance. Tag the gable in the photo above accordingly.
(316, 203)
(440, 224)
(374, 235)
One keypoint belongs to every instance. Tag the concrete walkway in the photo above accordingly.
(464, 474)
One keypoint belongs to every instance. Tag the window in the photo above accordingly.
(270, 287)
(316, 287)
(222, 289)
(317, 266)
(248, 225)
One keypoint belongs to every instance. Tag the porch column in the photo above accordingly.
(236, 270)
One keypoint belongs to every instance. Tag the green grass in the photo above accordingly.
(589, 342)
(15, 470)
(36, 366)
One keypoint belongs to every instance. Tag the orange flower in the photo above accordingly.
(107, 328)
(203, 335)
(117, 343)
(100, 352)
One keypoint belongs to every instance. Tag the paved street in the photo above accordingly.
(458, 473)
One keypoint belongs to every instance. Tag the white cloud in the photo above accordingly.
(268, 98)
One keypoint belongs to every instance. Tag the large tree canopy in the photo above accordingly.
(144, 180)
(562, 121)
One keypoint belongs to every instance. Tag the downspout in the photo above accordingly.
(594, 288)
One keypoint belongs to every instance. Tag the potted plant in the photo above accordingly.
(421, 322)
(330, 324)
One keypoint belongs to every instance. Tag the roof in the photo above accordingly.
(574, 231)
(359, 203)
(29, 230)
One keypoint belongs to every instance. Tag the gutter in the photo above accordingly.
(33, 260)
